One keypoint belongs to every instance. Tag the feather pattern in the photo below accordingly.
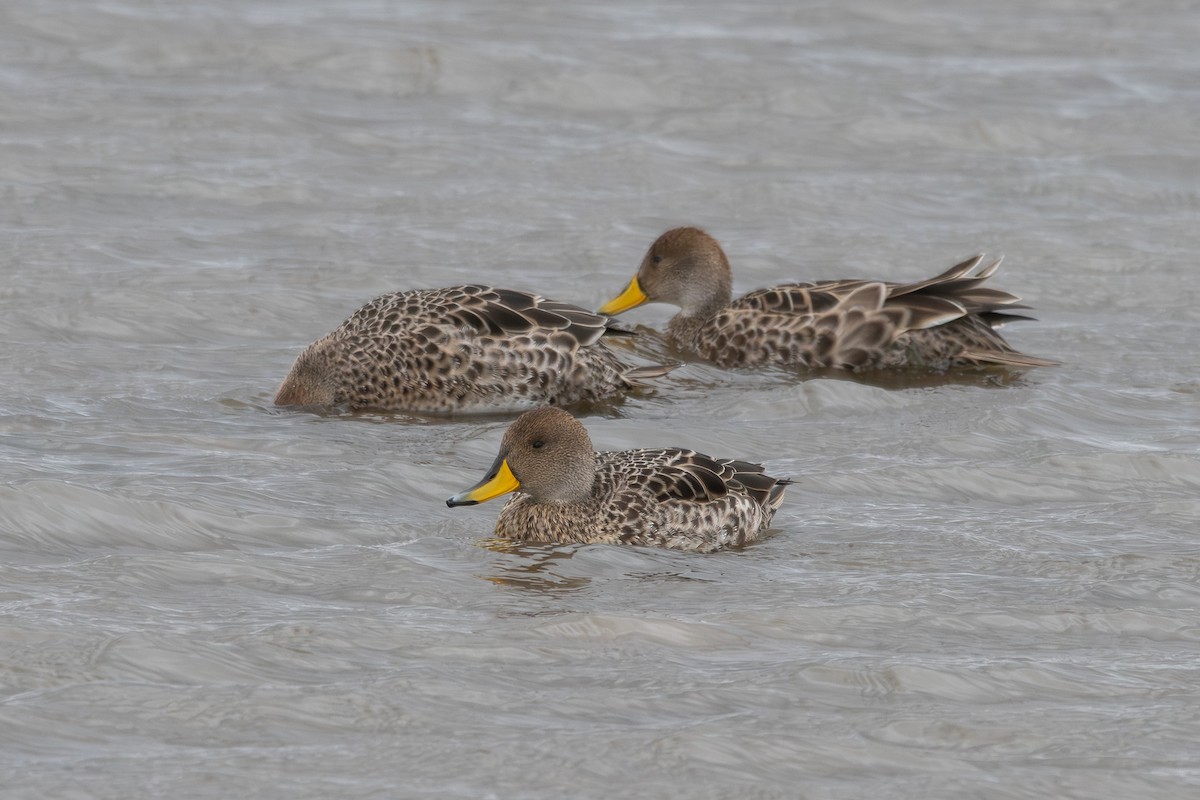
(949, 320)
(462, 348)
(670, 497)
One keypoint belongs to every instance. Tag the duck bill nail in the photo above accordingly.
(499, 480)
(632, 296)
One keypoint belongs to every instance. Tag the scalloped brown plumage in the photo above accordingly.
(671, 497)
(462, 348)
(946, 321)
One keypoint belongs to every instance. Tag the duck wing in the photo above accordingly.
(482, 309)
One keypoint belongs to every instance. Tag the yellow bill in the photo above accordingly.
(632, 297)
(498, 481)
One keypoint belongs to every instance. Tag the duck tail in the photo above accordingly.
(638, 374)
(775, 499)
(960, 286)
(1006, 359)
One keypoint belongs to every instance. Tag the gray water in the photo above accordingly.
(975, 588)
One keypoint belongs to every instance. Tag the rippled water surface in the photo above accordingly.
(976, 588)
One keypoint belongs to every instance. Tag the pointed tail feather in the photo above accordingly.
(1013, 359)
(989, 270)
(637, 374)
(998, 319)
(957, 272)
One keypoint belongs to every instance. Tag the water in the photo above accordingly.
(973, 590)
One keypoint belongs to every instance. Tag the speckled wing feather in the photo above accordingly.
(806, 325)
(673, 475)
(681, 492)
(462, 348)
(859, 324)
(665, 498)
(481, 309)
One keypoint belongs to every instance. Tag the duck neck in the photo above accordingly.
(574, 486)
(685, 326)
(704, 298)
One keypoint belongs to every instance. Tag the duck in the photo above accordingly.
(941, 323)
(462, 349)
(671, 497)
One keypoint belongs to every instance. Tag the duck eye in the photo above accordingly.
(656, 259)
(538, 444)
